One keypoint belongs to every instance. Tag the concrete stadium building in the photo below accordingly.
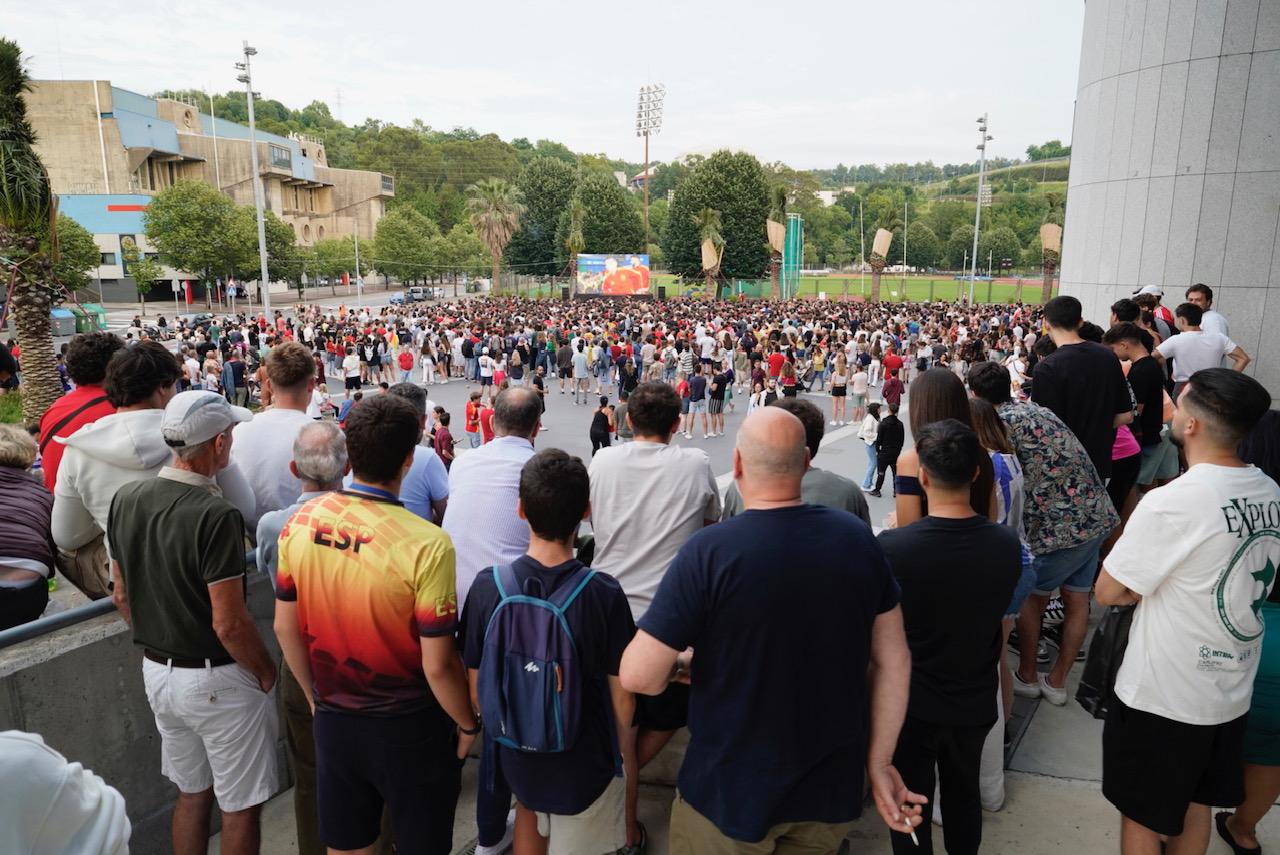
(1175, 162)
(109, 150)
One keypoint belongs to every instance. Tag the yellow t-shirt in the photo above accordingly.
(370, 579)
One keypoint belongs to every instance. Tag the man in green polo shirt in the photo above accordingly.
(178, 570)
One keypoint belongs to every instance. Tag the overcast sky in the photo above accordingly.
(811, 83)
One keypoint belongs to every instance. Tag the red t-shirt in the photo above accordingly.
(51, 457)
(892, 362)
(486, 425)
(775, 364)
(406, 361)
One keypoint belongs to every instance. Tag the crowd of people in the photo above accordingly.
(438, 597)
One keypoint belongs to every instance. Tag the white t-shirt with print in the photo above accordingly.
(1202, 551)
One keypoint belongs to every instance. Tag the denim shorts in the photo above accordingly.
(1071, 569)
(1026, 583)
(698, 406)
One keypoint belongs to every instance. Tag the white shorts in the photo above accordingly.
(217, 729)
(600, 828)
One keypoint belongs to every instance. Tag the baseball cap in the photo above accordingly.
(197, 416)
(1150, 289)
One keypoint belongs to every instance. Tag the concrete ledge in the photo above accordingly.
(81, 689)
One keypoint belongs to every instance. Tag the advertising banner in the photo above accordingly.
(621, 275)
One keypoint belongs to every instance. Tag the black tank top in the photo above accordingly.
(600, 424)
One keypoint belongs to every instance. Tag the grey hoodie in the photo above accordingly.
(105, 455)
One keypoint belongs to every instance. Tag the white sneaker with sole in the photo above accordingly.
(1055, 696)
(1023, 689)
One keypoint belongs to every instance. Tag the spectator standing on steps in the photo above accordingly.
(208, 674)
(789, 774)
(955, 684)
(319, 461)
(1198, 559)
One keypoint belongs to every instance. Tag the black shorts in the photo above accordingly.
(837, 391)
(1153, 768)
(486, 381)
(353, 382)
(667, 711)
(406, 762)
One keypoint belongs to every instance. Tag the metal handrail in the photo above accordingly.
(80, 614)
(52, 623)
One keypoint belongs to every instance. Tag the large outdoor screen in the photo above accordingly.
(613, 275)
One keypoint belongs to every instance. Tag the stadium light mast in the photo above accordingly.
(649, 122)
(246, 77)
(984, 138)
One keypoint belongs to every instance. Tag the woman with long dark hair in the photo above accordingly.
(938, 394)
(601, 425)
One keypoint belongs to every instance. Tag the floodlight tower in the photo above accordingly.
(984, 138)
(649, 122)
(246, 77)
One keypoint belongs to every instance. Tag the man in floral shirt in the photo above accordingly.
(1067, 516)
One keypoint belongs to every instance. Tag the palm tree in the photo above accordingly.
(28, 240)
(709, 223)
(495, 207)
(777, 231)
(575, 241)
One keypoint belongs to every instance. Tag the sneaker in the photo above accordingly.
(1042, 652)
(1023, 689)
(688, 435)
(639, 847)
(1053, 635)
(1055, 696)
(834, 423)
(1055, 611)
(875, 493)
(706, 436)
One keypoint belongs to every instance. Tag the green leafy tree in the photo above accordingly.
(546, 184)
(996, 244)
(197, 230)
(144, 270)
(659, 210)
(960, 247)
(300, 269)
(78, 255)
(923, 247)
(336, 256)
(402, 245)
(1053, 148)
(611, 221)
(27, 207)
(494, 208)
(945, 214)
(735, 184)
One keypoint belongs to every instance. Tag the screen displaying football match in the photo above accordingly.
(621, 275)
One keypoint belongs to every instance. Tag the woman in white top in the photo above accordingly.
(428, 363)
(868, 433)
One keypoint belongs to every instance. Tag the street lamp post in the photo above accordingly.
(246, 77)
(977, 214)
(649, 122)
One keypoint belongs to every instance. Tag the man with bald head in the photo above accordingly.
(778, 736)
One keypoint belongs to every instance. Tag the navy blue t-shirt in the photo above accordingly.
(778, 606)
(568, 782)
(697, 387)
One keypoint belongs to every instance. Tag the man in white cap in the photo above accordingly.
(1159, 310)
(207, 672)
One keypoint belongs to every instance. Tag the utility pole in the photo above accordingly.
(862, 254)
(355, 239)
(246, 77)
(977, 214)
(904, 247)
(649, 121)
(213, 125)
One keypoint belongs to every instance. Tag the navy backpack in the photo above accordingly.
(530, 682)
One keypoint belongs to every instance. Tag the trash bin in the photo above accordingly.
(90, 317)
(64, 322)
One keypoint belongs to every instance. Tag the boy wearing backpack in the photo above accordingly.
(547, 688)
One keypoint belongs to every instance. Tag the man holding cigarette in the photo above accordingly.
(789, 775)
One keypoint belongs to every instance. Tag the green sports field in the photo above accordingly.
(915, 288)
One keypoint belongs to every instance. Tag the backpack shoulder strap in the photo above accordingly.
(504, 577)
(572, 587)
(92, 402)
